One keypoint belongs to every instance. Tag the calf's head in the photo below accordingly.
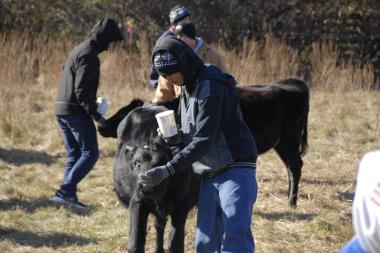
(142, 159)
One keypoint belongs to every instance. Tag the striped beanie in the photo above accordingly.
(165, 63)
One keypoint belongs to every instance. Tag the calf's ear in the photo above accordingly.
(129, 148)
(129, 151)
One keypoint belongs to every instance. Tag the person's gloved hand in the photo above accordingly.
(174, 140)
(154, 176)
(101, 122)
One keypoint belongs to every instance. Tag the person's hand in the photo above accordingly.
(159, 133)
(101, 122)
(153, 176)
(173, 140)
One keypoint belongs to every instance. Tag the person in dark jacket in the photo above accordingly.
(186, 31)
(177, 14)
(218, 145)
(76, 108)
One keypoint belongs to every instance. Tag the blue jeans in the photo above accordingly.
(79, 136)
(353, 246)
(225, 212)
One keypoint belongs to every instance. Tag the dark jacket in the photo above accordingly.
(80, 75)
(215, 134)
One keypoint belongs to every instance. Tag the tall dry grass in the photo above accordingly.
(343, 124)
(340, 78)
(30, 70)
(29, 74)
(261, 62)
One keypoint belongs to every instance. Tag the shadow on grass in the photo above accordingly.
(51, 239)
(274, 216)
(326, 182)
(30, 206)
(20, 157)
(346, 196)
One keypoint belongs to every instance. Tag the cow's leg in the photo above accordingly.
(160, 224)
(138, 214)
(288, 151)
(177, 233)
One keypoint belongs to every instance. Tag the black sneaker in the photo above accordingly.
(61, 199)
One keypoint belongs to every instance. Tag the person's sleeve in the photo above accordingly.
(164, 91)
(85, 81)
(208, 127)
(154, 78)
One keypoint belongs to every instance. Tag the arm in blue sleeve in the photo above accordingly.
(154, 78)
(208, 126)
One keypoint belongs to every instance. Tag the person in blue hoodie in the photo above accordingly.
(218, 145)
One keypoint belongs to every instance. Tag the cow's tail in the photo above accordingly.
(304, 144)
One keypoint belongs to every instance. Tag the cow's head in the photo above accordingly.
(139, 149)
(110, 127)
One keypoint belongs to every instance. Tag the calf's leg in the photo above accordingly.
(177, 233)
(289, 154)
(138, 214)
(160, 224)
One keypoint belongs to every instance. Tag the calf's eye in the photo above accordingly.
(147, 157)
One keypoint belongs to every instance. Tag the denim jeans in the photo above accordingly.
(79, 136)
(353, 246)
(225, 212)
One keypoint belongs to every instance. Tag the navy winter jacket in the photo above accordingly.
(215, 134)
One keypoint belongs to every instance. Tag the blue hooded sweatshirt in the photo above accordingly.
(215, 134)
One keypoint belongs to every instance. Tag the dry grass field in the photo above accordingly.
(344, 123)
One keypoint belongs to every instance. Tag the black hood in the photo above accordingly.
(212, 72)
(104, 32)
(189, 63)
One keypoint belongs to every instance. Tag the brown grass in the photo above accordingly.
(343, 125)
(260, 62)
